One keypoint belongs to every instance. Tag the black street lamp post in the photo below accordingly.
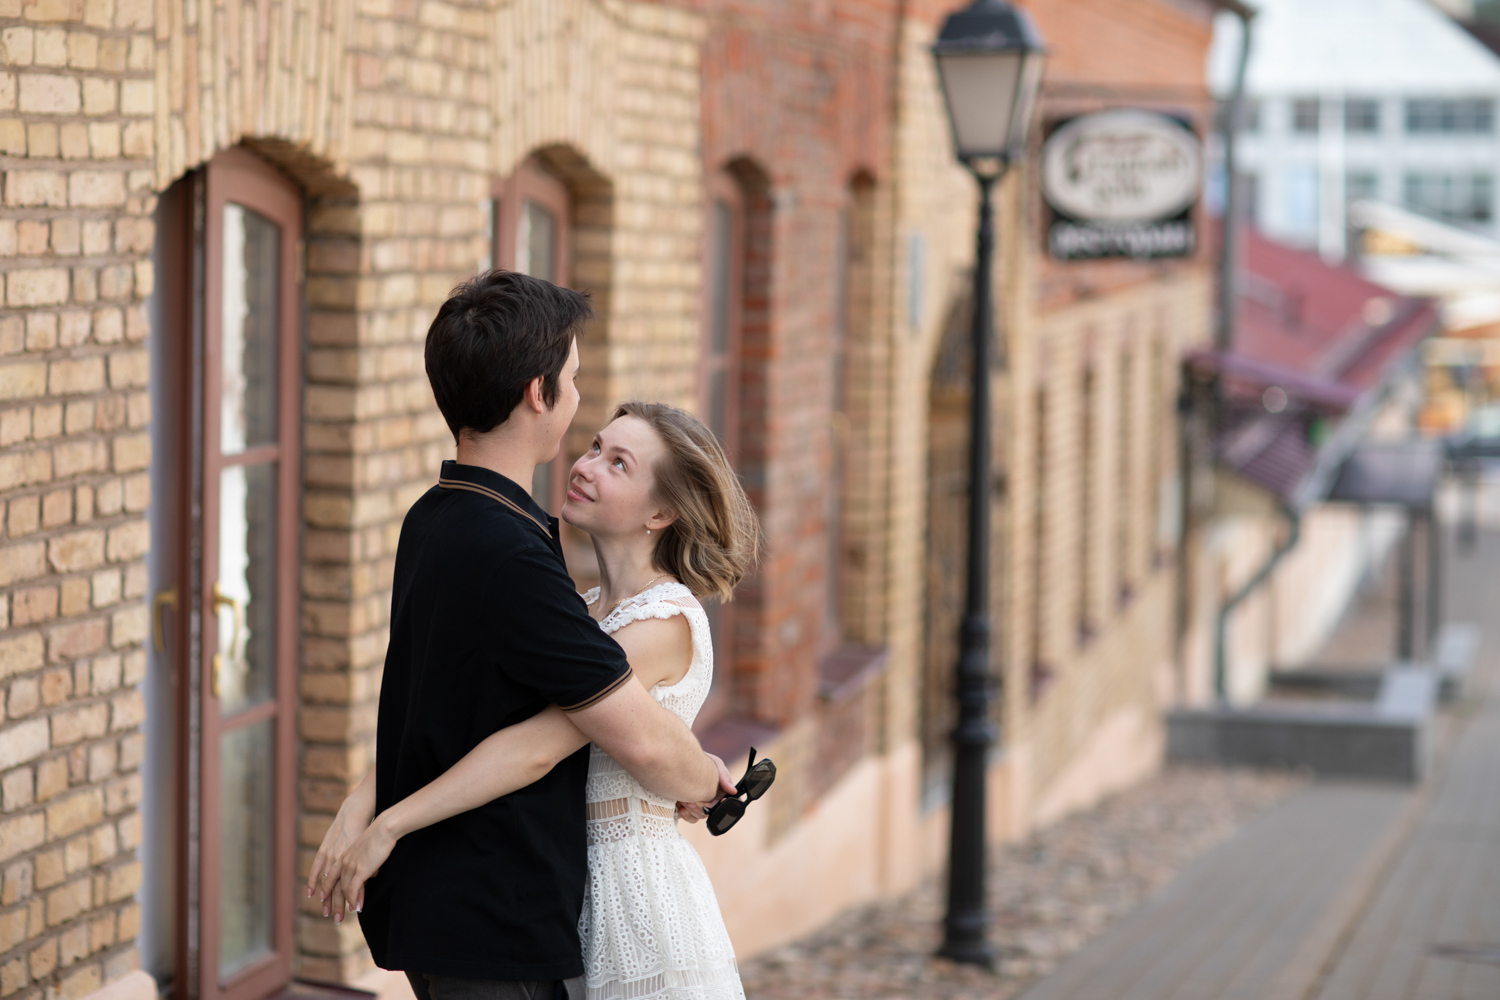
(989, 58)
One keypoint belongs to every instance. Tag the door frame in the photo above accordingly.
(234, 175)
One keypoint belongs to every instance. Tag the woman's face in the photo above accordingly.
(610, 486)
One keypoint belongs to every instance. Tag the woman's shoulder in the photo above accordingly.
(660, 646)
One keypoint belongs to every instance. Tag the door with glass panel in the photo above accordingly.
(238, 705)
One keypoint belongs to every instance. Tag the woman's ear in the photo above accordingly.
(661, 518)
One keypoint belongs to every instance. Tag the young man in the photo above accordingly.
(486, 631)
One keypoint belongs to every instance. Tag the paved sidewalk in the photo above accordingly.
(1343, 891)
(1241, 921)
(1443, 889)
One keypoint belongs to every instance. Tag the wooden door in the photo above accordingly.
(239, 425)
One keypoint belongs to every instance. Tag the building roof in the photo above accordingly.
(1415, 255)
(1323, 320)
(1320, 335)
(1355, 47)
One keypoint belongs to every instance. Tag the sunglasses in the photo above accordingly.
(753, 785)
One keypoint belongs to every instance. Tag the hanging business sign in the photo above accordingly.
(1121, 183)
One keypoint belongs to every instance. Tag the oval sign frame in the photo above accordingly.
(1122, 166)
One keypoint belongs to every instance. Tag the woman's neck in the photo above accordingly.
(625, 569)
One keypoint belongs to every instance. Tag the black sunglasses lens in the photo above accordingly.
(725, 815)
(758, 781)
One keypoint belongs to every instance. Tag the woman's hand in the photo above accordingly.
(359, 863)
(353, 817)
(694, 812)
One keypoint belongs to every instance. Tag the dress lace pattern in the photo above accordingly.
(651, 925)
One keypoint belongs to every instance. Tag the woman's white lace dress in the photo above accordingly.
(651, 926)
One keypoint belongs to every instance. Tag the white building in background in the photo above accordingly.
(1386, 100)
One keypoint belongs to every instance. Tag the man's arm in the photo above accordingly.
(504, 762)
(652, 744)
(553, 647)
(663, 751)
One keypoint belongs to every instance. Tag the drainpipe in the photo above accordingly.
(1311, 490)
(1223, 335)
(1224, 328)
(1221, 625)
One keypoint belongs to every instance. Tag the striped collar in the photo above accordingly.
(476, 479)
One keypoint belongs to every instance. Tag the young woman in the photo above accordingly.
(670, 524)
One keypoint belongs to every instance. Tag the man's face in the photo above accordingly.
(561, 415)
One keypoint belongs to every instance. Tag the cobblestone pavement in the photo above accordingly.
(1049, 895)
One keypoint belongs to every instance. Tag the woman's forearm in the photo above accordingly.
(506, 761)
(362, 800)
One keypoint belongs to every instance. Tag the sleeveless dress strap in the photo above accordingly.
(662, 601)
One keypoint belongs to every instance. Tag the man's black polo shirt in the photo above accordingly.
(486, 631)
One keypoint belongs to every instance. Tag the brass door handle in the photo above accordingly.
(222, 600)
(166, 598)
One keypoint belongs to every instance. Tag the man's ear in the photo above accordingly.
(534, 398)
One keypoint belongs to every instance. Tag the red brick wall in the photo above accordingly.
(802, 91)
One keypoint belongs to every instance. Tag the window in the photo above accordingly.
(1451, 197)
(725, 263)
(735, 302)
(536, 241)
(838, 424)
(1041, 672)
(1302, 199)
(1088, 542)
(1161, 431)
(1249, 116)
(1361, 116)
(533, 211)
(1305, 115)
(1124, 469)
(1361, 184)
(1450, 117)
(720, 379)
(1250, 197)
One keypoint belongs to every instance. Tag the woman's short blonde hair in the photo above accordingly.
(715, 538)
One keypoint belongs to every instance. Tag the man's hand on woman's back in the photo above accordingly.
(655, 746)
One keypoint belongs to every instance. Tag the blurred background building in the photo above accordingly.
(1386, 100)
(227, 226)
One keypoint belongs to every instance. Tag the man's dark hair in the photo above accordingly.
(497, 332)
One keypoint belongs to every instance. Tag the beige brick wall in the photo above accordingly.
(616, 85)
(1125, 660)
(76, 93)
(102, 104)
(932, 229)
(385, 248)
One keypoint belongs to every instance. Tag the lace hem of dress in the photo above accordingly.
(722, 983)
